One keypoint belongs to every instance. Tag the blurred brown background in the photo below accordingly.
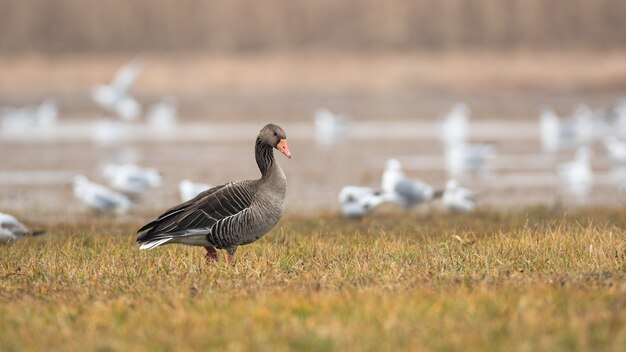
(504, 57)
(245, 63)
(237, 26)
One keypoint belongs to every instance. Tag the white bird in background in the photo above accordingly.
(550, 130)
(618, 122)
(124, 155)
(557, 133)
(458, 199)
(615, 148)
(41, 116)
(116, 97)
(454, 125)
(358, 201)
(579, 129)
(131, 179)
(462, 159)
(47, 113)
(577, 176)
(108, 133)
(189, 190)
(12, 230)
(163, 115)
(585, 126)
(618, 176)
(98, 197)
(330, 127)
(404, 190)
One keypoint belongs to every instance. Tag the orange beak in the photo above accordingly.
(282, 146)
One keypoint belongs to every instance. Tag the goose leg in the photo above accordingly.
(211, 254)
(231, 253)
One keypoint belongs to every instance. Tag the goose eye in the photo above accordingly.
(275, 134)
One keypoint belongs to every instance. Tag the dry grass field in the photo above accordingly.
(534, 279)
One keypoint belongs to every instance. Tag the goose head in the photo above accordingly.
(274, 136)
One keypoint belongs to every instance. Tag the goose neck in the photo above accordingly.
(264, 155)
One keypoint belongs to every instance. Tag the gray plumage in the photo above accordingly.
(357, 201)
(229, 215)
(413, 191)
(404, 190)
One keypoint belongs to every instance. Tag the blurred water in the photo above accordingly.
(83, 131)
(38, 166)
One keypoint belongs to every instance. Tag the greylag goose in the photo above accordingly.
(12, 230)
(229, 215)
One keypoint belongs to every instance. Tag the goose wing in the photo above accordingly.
(200, 214)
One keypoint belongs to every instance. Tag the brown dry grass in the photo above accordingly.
(532, 280)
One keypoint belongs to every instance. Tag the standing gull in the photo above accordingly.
(457, 198)
(358, 201)
(330, 127)
(577, 175)
(616, 149)
(99, 198)
(462, 159)
(454, 126)
(40, 116)
(131, 179)
(404, 190)
(162, 115)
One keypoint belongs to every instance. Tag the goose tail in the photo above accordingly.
(154, 243)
